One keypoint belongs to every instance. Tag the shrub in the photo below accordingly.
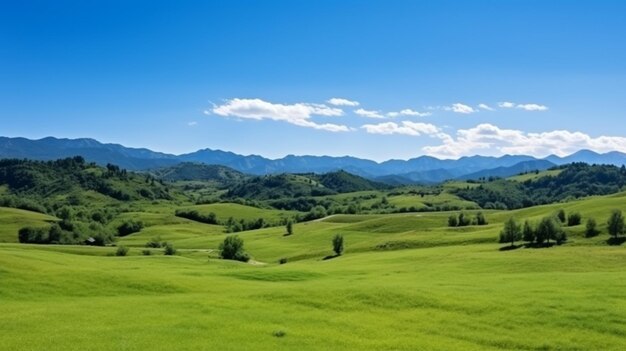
(528, 233)
(289, 228)
(232, 249)
(154, 243)
(194, 215)
(464, 220)
(129, 227)
(146, 252)
(591, 228)
(561, 215)
(338, 244)
(282, 260)
(480, 219)
(452, 221)
(33, 235)
(169, 249)
(616, 223)
(574, 219)
(121, 251)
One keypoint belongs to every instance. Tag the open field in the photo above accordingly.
(405, 282)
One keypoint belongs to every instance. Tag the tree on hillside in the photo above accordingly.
(289, 227)
(452, 221)
(338, 244)
(574, 219)
(511, 232)
(550, 228)
(232, 249)
(616, 223)
(591, 228)
(480, 219)
(464, 220)
(528, 233)
(561, 215)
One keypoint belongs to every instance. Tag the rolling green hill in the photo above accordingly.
(221, 175)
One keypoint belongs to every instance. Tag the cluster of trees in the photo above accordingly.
(232, 249)
(194, 215)
(129, 227)
(549, 228)
(463, 220)
(574, 181)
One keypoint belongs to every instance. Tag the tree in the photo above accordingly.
(121, 251)
(549, 228)
(289, 228)
(528, 234)
(574, 219)
(616, 223)
(169, 249)
(561, 215)
(338, 244)
(463, 220)
(452, 221)
(591, 228)
(232, 249)
(480, 219)
(129, 227)
(511, 232)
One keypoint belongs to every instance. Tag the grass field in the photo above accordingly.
(405, 282)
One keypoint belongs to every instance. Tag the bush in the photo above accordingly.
(146, 252)
(194, 215)
(33, 235)
(574, 219)
(452, 221)
(129, 227)
(591, 228)
(561, 215)
(464, 220)
(169, 249)
(338, 244)
(154, 243)
(616, 223)
(480, 219)
(121, 251)
(282, 260)
(232, 249)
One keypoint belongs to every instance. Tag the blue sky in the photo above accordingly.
(257, 77)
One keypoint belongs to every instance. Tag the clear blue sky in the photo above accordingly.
(257, 76)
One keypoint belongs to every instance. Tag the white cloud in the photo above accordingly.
(526, 107)
(404, 128)
(342, 102)
(369, 113)
(408, 112)
(488, 139)
(486, 107)
(299, 114)
(532, 107)
(460, 108)
(192, 123)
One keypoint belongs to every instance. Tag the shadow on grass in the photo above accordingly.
(330, 257)
(540, 246)
(511, 247)
(286, 234)
(613, 241)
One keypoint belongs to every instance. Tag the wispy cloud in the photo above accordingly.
(460, 108)
(342, 102)
(408, 112)
(369, 113)
(299, 114)
(492, 140)
(192, 123)
(486, 107)
(403, 128)
(526, 107)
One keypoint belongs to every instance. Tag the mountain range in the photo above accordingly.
(422, 169)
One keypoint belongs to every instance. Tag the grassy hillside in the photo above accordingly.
(11, 220)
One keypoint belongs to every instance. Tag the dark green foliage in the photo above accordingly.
(528, 233)
(316, 213)
(155, 243)
(575, 181)
(549, 229)
(233, 226)
(591, 228)
(452, 221)
(32, 235)
(464, 220)
(561, 215)
(615, 224)
(129, 227)
(480, 219)
(221, 175)
(169, 250)
(194, 215)
(289, 228)
(146, 252)
(511, 232)
(282, 261)
(338, 244)
(121, 251)
(574, 219)
(232, 249)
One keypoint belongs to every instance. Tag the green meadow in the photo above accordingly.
(404, 282)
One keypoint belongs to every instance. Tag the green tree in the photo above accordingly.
(338, 244)
(528, 233)
(561, 215)
(591, 229)
(480, 219)
(511, 232)
(574, 219)
(616, 223)
(549, 228)
(452, 221)
(464, 220)
(232, 249)
(121, 251)
(169, 249)
(289, 227)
